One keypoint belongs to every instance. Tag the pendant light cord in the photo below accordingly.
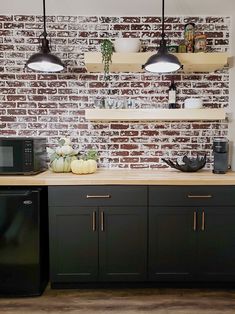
(44, 19)
(45, 43)
(163, 18)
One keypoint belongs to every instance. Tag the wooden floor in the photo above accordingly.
(126, 301)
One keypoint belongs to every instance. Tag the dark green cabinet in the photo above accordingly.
(123, 244)
(192, 234)
(106, 242)
(172, 244)
(138, 233)
(216, 244)
(73, 244)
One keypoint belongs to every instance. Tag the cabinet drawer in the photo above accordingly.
(97, 195)
(191, 195)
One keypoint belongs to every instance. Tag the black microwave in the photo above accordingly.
(22, 155)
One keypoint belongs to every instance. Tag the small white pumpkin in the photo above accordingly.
(83, 166)
(66, 150)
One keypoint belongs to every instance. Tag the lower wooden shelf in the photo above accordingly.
(155, 114)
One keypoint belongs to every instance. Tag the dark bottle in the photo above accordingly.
(172, 95)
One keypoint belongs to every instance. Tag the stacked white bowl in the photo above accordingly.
(193, 103)
(127, 44)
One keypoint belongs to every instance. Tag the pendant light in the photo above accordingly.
(44, 61)
(162, 61)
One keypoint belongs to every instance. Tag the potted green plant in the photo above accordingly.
(107, 49)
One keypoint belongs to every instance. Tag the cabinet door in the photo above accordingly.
(217, 244)
(123, 243)
(73, 244)
(172, 243)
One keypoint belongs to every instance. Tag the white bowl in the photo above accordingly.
(193, 103)
(127, 45)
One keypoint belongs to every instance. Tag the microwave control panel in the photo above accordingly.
(28, 153)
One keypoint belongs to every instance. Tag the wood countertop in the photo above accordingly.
(122, 177)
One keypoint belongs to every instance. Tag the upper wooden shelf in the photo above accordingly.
(132, 62)
(154, 114)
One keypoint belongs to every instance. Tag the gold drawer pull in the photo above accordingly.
(203, 221)
(93, 221)
(199, 196)
(99, 196)
(194, 221)
(102, 221)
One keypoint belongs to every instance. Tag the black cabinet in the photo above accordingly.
(98, 233)
(191, 233)
(73, 244)
(172, 244)
(138, 233)
(216, 249)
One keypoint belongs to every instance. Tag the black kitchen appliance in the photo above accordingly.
(22, 155)
(221, 154)
(23, 241)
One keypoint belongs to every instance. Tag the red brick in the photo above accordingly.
(16, 111)
(129, 146)
(3, 125)
(27, 119)
(130, 19)
(151, 19)
(129, 133)
(49, 91)
(149, 159)
(129, 159)
(119, 153)
(36, 98)
(7, 118)
(28, 133)
(119, 139)
(8, 132)
(119, 126)
(139, 166)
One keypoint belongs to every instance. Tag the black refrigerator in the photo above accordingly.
(23, 241)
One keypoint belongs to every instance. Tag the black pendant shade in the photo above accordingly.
(162, 61)
(44, 61)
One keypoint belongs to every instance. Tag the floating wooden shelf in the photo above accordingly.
(154, 114)
(132, 62)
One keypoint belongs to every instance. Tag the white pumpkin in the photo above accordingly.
(66, 150)
(62, 164)
(83, 166)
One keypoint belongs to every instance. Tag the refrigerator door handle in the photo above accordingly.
(14, 194)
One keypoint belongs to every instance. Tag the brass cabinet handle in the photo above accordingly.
(199, 196)
(203, 221)
(102, 221)
(93, 221)
(194, 221)
(99, 196)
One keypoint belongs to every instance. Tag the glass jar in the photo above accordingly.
(200, 43)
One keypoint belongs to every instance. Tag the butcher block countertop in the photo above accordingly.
(122, 177)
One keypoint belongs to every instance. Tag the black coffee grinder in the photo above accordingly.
(221, 153)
